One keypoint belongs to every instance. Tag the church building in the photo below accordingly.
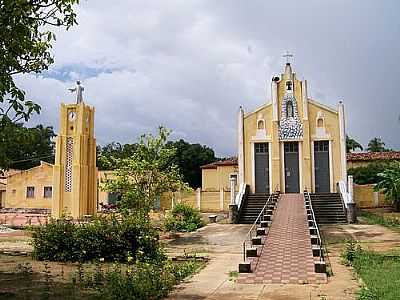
(293, 143)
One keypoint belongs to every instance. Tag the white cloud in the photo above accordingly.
(190, 64)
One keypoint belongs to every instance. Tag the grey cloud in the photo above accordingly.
(190, 64)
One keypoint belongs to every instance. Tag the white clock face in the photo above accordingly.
(72, 116)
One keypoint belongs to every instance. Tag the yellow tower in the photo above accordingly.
(75, 172)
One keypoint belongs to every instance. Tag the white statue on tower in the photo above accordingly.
(78, 89)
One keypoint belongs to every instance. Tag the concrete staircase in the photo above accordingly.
(286, 247)
(328, 208)
(252, 207)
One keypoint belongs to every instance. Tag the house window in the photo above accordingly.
(48, 192)
(320, 122)
(30, 192)
(289, 109)
(288, 85)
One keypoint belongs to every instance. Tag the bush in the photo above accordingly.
(107, 237)
(369, 173)
(142, 281)
(183, 218)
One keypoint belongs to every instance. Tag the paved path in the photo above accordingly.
(286, 256)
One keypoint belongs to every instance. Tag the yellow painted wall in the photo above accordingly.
(250, 130)
(366, 197)
(38, 177)
(102, 177)
(331, 124)
(210, 179)
(210, 201)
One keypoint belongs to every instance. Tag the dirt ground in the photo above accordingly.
(222, 243)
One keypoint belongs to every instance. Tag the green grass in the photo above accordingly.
(371, 218)
(379, 272)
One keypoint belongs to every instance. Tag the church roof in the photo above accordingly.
(226, 162)
(371, 156)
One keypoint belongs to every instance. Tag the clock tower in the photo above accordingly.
(75, 172)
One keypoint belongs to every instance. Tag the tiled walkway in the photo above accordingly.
(286, 256)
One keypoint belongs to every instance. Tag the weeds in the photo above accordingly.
(380, 272)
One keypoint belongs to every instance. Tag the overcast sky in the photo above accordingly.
(189, 65)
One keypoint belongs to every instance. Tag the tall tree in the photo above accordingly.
(189, 158)
(146, 175)
(115, 150)
(352, 145)
(25, 147)
(25, 42)
(376, 145)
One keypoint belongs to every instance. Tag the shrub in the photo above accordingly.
(183, 218)
(142, 281)
(368, 174)
(107, 237)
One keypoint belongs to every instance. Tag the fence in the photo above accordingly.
(365, 196)
(205, 201)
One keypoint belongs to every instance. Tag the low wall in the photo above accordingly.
(205, 201)
(365, 196)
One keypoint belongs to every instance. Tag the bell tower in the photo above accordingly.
(75, 172)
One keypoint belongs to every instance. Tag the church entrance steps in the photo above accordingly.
(328, 208)
(290, 252)
(252, 206)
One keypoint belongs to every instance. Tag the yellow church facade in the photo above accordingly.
(293, 143)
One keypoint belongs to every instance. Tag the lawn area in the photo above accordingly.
(379, 271)
(380, 274)
(388, 219)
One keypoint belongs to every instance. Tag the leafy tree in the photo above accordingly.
(23, 148)
(389, 183)
(368, 174)
(376, 145)
(352, 145)
(146, 175)
(25, 43)
(189, 158)
(116, 150)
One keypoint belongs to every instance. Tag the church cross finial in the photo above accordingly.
(79, 91)
(287, 55)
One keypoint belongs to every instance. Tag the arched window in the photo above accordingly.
(289, 109)
(260, 124)
(320, 122)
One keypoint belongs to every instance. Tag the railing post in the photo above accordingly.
(198, 198)
(232, 181)
(351, 205)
